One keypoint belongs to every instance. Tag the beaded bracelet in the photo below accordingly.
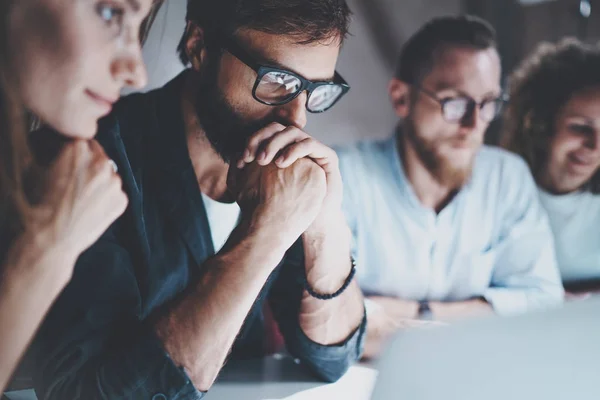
(338, 292)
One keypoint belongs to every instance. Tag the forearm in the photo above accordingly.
(389, 315)
(448, 311)
(199, 331)
(29, 284)
(328, 264)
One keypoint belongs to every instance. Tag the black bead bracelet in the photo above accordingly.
(338, 292)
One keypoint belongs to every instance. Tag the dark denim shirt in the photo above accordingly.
(98, 340)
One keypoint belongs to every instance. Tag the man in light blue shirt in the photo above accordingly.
(445, 227)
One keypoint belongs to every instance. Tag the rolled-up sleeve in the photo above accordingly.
(327, 362)
(94, 344)
(526, 276)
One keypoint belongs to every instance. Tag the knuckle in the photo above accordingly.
(254, 140)
(103, 167)
(333, 157)
(309, 165)
(279, 126)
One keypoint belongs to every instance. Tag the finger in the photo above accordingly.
(100, 155)
(102, 169)
(255, 141)
(101, 182)
(296, 151)
(106, 194)
(109, 206)
(278, 142)
(96, 149)
(118, 202)
(324, 156)
(67, 160)
(64, 172)
(232, 178)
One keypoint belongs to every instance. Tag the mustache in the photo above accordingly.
(462, 140)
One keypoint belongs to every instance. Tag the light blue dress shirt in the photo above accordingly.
(492, 240)
(575, 221)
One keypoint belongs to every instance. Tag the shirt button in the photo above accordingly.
(159, 396)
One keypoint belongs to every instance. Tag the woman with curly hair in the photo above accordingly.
(553, 122)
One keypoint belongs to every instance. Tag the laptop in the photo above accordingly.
(549, 355)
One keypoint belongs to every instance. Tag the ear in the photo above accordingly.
(399, 92)
(195, 45)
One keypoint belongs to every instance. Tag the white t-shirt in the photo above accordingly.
(575, 222)
(492, 240)
(222, 219)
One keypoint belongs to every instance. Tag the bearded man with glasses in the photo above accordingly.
(445, 227)
(232, 207)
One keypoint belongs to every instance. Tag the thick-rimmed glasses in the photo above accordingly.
(276, 86)
(455, 109)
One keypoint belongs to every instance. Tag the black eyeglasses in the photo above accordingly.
(276, 86)
(454, 109)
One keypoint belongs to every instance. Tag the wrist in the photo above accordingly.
(31, 260)
(409, 310)
(329, 224)
(398, 309)
(332, 225)
(274, 229)
(328, 260)
(261, 243)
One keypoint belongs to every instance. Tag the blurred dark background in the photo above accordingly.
(378, 31)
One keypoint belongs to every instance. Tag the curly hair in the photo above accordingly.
(538, 89)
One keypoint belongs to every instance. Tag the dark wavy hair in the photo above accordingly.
(538, 89)
(309, 21)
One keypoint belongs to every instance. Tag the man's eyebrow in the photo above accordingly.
(275, 64)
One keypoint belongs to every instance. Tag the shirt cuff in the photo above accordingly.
(506, 302)
(170, 381)
(329, 362)
(511, 301)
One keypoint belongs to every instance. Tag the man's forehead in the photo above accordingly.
(463, 67)
(315, 61)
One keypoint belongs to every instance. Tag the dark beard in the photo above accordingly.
(440, 168)
(225, 127)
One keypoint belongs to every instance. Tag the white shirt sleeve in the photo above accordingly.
(526, 275)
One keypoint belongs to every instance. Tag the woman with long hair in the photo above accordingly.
(64, 62)
(553, 122)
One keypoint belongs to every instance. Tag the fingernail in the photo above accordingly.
(246, 154)
(280, 160)
(240, 164)
(262, 156)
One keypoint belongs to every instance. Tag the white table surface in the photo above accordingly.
(280, 377)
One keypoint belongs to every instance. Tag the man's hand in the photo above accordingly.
(388, 316)
(283, 146)
(283, 200)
